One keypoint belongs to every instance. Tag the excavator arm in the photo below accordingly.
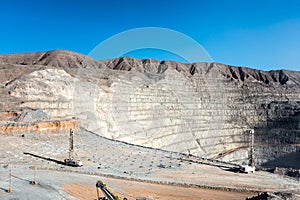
(109, 195)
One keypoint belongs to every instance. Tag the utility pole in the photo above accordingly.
(34, 182)
(251, 143)
(10, 182)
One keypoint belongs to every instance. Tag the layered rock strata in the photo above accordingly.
(203, 109)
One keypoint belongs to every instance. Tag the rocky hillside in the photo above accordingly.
(203, 109)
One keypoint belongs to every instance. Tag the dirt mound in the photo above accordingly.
(274, 196)
(54, 126)
(287, 171)
(32, 115)
(9, 115)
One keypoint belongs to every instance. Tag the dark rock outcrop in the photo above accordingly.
(274, 196)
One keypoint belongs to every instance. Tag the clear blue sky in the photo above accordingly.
(263, 34)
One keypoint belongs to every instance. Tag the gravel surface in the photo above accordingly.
(112, 159)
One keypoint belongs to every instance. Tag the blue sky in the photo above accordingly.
(261, 34)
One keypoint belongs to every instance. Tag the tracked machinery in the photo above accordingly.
(108, 193)
(71, 161)
(251, 166)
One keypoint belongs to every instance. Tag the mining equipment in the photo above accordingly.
(251, 166)
(108, 193)
(71, 161)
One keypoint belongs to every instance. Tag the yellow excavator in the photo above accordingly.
(108, 193)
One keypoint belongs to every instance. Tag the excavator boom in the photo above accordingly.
(109, 195)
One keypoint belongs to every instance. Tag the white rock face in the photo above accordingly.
(44, 85)
(203, 109)
(173, 112)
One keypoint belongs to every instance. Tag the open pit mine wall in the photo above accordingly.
(207, 111)
(203, 109)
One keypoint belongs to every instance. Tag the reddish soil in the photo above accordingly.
(134, 190)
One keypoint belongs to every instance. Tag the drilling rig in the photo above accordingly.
(71, 161)
(251, 165)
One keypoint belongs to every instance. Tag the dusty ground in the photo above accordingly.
(84, 192)
(103, 158)
(133, 190)
(62, 185)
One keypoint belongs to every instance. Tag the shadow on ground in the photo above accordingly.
(290, 160)
(45, 158)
